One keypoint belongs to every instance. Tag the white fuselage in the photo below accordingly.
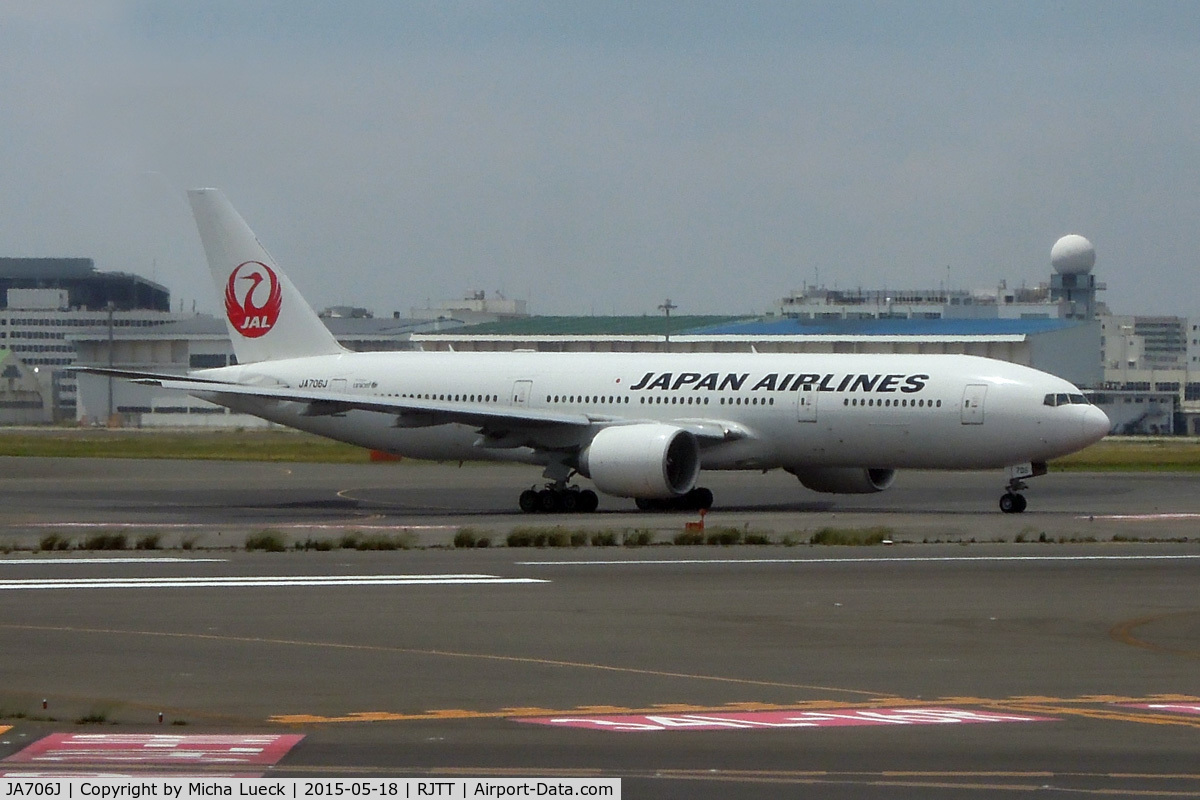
(790, 411)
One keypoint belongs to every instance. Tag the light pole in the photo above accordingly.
(108, 417)
(666, 307)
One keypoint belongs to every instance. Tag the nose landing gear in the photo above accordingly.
(1012, 501)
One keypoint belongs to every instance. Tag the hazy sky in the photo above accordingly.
(598, 157)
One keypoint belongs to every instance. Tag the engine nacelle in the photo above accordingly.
(648, 460)
(845, 480)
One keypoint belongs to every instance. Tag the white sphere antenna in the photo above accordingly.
(1073, 255)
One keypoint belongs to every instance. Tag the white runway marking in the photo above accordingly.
(1142, 517)
(901, 560)
(17, 562)
(199, 525)
(265, 580)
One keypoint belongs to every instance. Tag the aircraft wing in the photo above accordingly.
(409, 412)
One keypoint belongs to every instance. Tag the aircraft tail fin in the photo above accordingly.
(266, 316)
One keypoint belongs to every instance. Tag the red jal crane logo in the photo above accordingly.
(247, 318)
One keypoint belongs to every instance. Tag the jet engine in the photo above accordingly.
(647, 460)
(845, 480)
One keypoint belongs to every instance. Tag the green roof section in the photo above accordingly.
(597, 326)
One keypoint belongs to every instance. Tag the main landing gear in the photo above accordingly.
(1012, 501)
(558, 497)
(554, 499)
(694, 500)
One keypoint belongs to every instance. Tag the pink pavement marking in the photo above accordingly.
(765, 720)
(1178, 708)
(156, 749)
(27, 774)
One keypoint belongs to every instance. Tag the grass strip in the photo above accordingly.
(232, 445)
(1134, 455)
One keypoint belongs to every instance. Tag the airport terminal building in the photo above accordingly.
(45, 303)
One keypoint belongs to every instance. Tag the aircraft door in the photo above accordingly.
(972, 404)
(806, 404)
(520, 392)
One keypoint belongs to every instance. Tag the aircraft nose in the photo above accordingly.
(1095, 424)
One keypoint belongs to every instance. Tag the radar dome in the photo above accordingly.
(1073, 255)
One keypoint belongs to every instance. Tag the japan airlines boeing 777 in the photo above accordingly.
(639, 425)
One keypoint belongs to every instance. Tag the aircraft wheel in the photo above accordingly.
(648, 504)
(529, 501)
(589, 501)
(569, 501)
(548, 501)
(701, 498)
(1011, 503)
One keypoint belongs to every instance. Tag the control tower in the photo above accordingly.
(1073, 283)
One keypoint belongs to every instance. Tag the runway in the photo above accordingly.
(982, 670)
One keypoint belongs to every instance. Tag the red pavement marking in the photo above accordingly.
(1178, 708)
(765, 720)
(155, 749)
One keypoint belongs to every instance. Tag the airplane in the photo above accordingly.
(638, 425)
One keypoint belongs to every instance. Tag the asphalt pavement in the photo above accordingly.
(986, 669)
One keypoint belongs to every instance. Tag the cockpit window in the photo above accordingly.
(1064, 399)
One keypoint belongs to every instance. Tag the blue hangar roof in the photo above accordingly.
(888, 327)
